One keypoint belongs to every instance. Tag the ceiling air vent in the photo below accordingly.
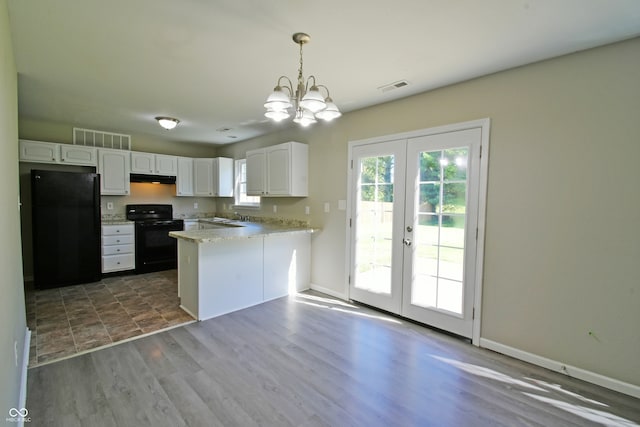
(394, 85)
(96, 138)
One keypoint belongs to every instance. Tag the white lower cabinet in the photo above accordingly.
(118, 248)
(215, 278)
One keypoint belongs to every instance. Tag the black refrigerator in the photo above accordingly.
(66, 228)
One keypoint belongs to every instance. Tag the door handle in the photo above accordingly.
(407, 242)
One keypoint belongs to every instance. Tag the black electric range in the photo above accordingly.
(155, 250)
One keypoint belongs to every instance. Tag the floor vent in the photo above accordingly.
(96, 138)
(394, 85)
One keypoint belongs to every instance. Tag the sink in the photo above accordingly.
(220, 223)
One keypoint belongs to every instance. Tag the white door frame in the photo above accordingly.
(484, 125)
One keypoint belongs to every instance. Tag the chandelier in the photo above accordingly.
(307, 101)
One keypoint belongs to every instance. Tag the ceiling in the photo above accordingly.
(115, 65)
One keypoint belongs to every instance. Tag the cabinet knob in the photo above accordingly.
(118, 241)
(118, 263)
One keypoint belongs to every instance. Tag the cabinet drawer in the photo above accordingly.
(118, 262)
(117, 250)
(114, 230)
(117, 240)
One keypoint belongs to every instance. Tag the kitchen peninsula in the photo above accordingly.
(235, 265)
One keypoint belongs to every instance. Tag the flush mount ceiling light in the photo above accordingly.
(307, 101)
(167, 122)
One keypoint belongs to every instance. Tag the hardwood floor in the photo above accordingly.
(309, 360)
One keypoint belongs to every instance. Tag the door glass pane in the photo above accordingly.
(374, 221)
(439, 231)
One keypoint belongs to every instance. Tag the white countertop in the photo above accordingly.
(247, 231)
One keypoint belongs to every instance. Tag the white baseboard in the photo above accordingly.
(331, 292)
(572, 371)
(25, 366)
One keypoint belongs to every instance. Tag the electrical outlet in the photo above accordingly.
(195, 205)
(275, 208)
(342, 205)
(327, 207)
(307, 210)
(110, 206)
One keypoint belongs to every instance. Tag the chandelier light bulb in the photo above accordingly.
(277, 115)
(329, 113)
(313, 100)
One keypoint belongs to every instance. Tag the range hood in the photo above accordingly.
(154, 179)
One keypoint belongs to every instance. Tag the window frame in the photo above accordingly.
(241, 200)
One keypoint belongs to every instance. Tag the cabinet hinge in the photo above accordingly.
(351, 163)
(349, 222)
(481, 151)
(473, 314)
(476, 233)
(349, 279)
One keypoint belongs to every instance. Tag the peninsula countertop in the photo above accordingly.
(238, 230)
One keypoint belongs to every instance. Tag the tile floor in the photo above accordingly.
(73, 319)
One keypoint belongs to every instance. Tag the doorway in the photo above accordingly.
(416, 226)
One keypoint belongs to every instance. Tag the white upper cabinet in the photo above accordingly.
(143, 163)
(278, 171)
(154, 164)
(223, 177)
(78, 155)
(213, 177)
(256, 173)
(202, 177)
(51, 152)
(184, 179)
(166, 165)
(114, 168)
(37, 151)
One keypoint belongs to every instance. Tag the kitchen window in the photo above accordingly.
(241, 198)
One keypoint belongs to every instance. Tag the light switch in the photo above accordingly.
(307, 210)
(342, 205)
(327, 207)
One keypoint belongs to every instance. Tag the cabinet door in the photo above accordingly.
(279, 170)
(142, 163)
(184, 179)
(78, 155)
(223, 177)
(256, 169)
(114, 168)
(166, 165)
(203, 177)
(36, 151)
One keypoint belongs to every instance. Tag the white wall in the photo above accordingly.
(562, 233)
(12, 308)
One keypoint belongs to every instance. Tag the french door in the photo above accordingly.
(414, 220)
